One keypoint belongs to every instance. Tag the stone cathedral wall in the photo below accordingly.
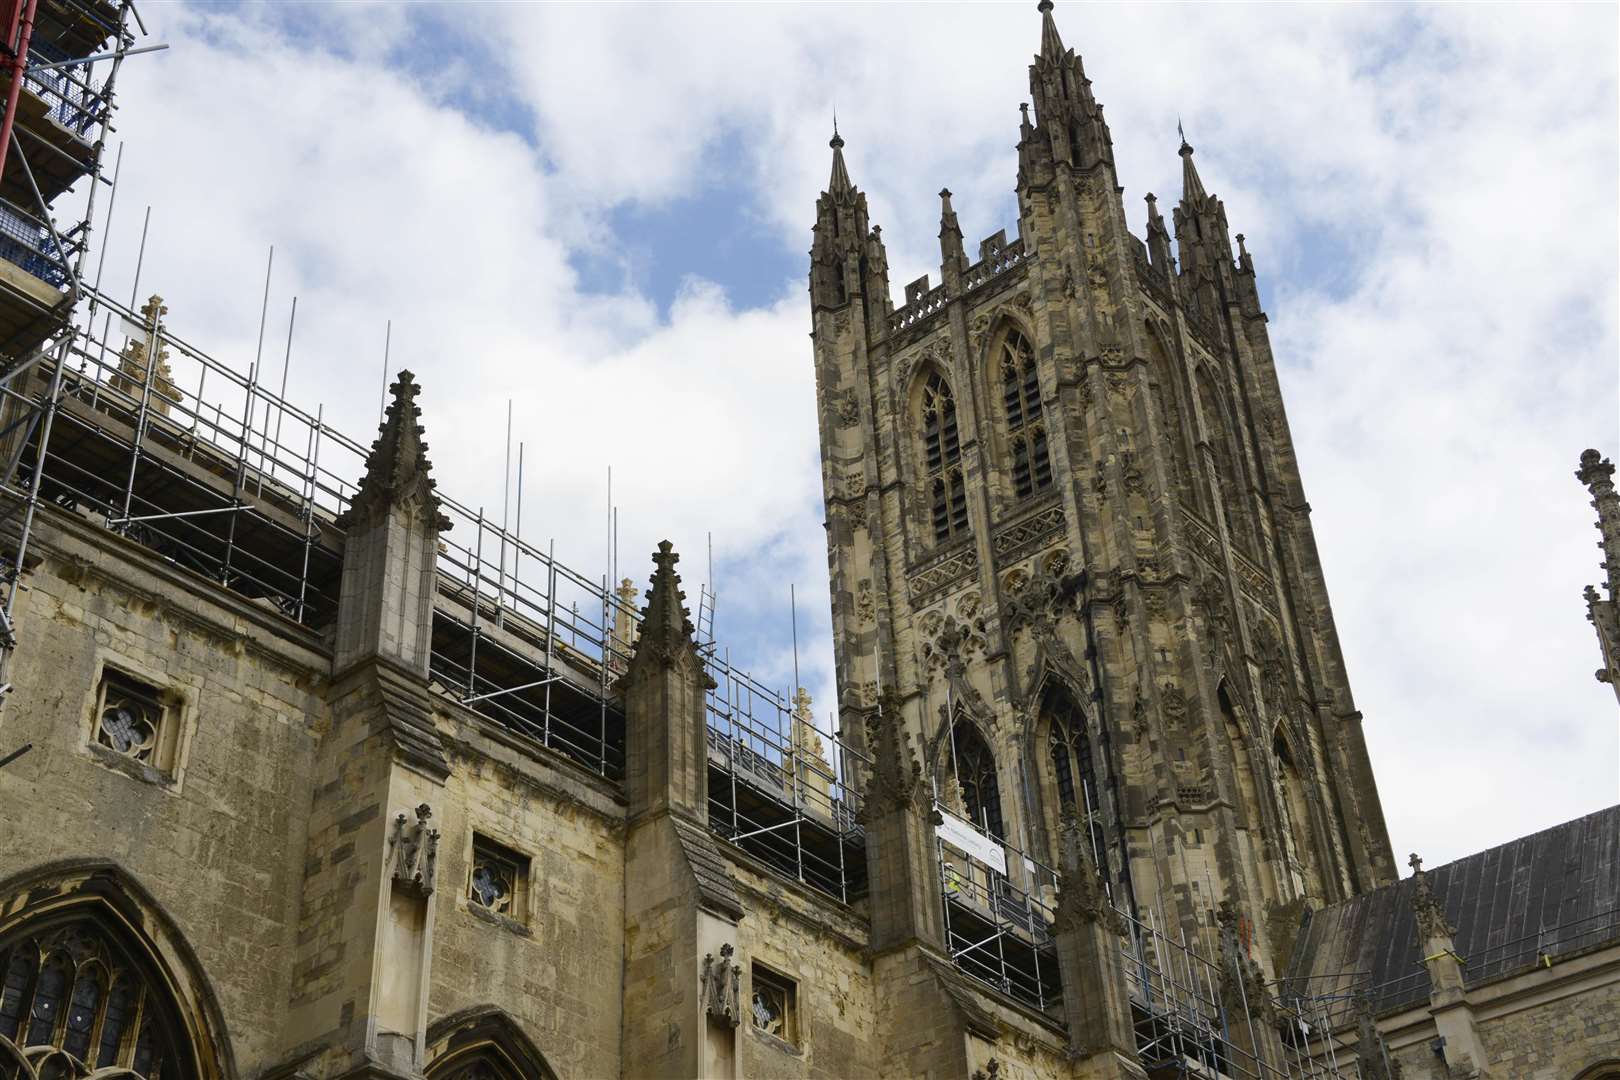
(219, 843)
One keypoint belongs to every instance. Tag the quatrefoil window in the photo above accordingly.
(130, 718)
(497, 879)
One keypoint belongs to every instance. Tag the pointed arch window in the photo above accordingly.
(482, 1044)
(942, 459)
(68, 992)
(976, 775)
(1026, 424)
(1074, 771)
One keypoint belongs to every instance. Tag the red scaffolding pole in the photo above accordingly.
(19, 23)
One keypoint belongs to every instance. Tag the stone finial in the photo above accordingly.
(896, 780)
(667, 632)
(721, 986)
(1430, 913)
(135, 367)
(1597, 473)
(1081, 898)
(398, 472)
(414, 850)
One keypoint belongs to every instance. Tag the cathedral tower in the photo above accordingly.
(1067, 530)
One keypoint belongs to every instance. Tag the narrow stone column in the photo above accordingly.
(360, 982)
(1448, 998)
(902, 856)
(682, 973)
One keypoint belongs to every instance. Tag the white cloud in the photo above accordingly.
(1456, 166)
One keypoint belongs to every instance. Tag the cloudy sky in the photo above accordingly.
(601, 213)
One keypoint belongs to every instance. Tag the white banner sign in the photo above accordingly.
(960, 834)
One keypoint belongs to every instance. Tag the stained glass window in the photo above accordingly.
(69, 989)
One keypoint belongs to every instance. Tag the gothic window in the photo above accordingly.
(68, 989)
(773, 1004)
(1227, 481)
(498, 879)
(1026, 427)
(975, 768)
(1163, 386)
(1074, 773)
(128, 716)
(942, 459)
(1296, 817)
(1242, 766)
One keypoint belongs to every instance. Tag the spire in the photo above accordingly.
(1597, 473)
(1066, 113)
(397, 469)
(839, 185)
(952, 256)
(1158, 237)
(666, 625)
(1051, 44)
(1192, 188)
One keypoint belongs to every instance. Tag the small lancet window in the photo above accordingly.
(942, 459)
(1074, 773)
(1026, 425)
(975, 768)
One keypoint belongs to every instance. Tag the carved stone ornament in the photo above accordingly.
(1426, 907)
(953, 642)
(722, 987)
(1081, 899)
(413, 851)
(896, 779)
(1173, 704)
(865, 602)
(846, 408)
(991, 1071)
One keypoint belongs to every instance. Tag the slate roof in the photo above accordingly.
(1551, 893)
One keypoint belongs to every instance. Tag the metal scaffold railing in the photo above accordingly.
(779, 788)
(58, 71)
(998, 913)
(1185, 1025)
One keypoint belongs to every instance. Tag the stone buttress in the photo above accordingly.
(365, 940)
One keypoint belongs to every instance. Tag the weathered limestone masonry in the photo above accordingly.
(1067, 530)
(240, 848)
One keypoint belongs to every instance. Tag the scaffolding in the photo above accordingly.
(998, 915)
(779, 788)
(132, 428)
